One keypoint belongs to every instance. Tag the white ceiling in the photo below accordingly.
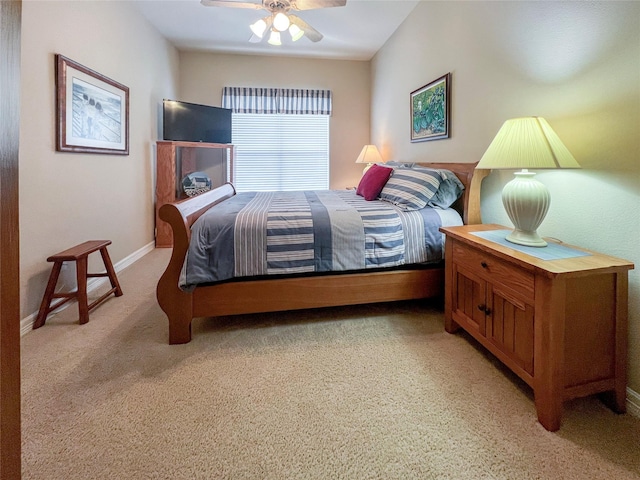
(355, 31)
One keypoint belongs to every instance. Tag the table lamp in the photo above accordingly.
(525, 143)
(369, 155)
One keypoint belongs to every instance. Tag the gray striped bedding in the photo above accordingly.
(272, 233)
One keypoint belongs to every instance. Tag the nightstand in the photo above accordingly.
(559, 324)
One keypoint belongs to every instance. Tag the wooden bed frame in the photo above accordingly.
(278, 294)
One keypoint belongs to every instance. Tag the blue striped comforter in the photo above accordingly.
(270, 233)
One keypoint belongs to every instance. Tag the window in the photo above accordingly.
(281, 138)
(277, 152)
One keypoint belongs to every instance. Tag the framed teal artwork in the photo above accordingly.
(431, 110)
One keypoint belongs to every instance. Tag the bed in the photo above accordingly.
(183, 300)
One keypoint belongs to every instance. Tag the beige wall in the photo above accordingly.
(574, 63)
(68, 198)
(203, 76)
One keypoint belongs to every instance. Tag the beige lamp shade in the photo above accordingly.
(527, 142)
(369, 155)
(524, 143)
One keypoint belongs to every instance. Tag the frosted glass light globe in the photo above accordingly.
(296, 33)
(259, 27)
(274, 38)
(281, 22)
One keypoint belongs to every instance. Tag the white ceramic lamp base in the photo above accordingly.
(526, 201)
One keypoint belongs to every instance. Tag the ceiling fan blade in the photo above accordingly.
(313, 4)
(310, 32)
(230, 3)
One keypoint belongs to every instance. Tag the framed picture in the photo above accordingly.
(92, 111)
(431, 110)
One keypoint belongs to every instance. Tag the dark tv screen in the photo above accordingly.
(190, 122)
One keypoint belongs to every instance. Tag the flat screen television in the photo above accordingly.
(190, 122)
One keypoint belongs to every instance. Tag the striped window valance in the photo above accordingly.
(277, 100)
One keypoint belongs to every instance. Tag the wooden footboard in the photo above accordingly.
(278, 294)
(177, 304)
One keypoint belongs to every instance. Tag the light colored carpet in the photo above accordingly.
(369, 392)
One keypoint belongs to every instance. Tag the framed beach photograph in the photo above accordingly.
(92, 111)
(431, 110)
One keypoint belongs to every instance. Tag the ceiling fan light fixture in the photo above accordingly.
(274, 38)
(280, 18)
(281, 22)
(259, 27)
(296, 32)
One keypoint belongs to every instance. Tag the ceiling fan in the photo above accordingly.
(279, 18)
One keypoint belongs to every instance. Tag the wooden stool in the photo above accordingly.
(77, 254)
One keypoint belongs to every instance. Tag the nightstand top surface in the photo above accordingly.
(575, 265)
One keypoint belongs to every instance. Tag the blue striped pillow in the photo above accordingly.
(450, 188)
(411, 189)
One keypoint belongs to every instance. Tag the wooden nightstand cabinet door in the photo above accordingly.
(469, 299)
(509, 326)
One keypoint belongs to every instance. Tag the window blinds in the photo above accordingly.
(280, 152)
(281, 138)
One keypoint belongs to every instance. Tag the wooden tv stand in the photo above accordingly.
(167, 176)
(560, 325)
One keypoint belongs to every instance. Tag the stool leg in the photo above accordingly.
(81, 275)
(48, 295)
(106, 259)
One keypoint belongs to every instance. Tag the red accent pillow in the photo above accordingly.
(373, 181)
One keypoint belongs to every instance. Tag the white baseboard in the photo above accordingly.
(633, 403)
(26, 324)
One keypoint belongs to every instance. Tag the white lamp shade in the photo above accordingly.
(296, 32)
(524, 143)
(274, 38)
(259, 28)
(527, 142)
(369, 154)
